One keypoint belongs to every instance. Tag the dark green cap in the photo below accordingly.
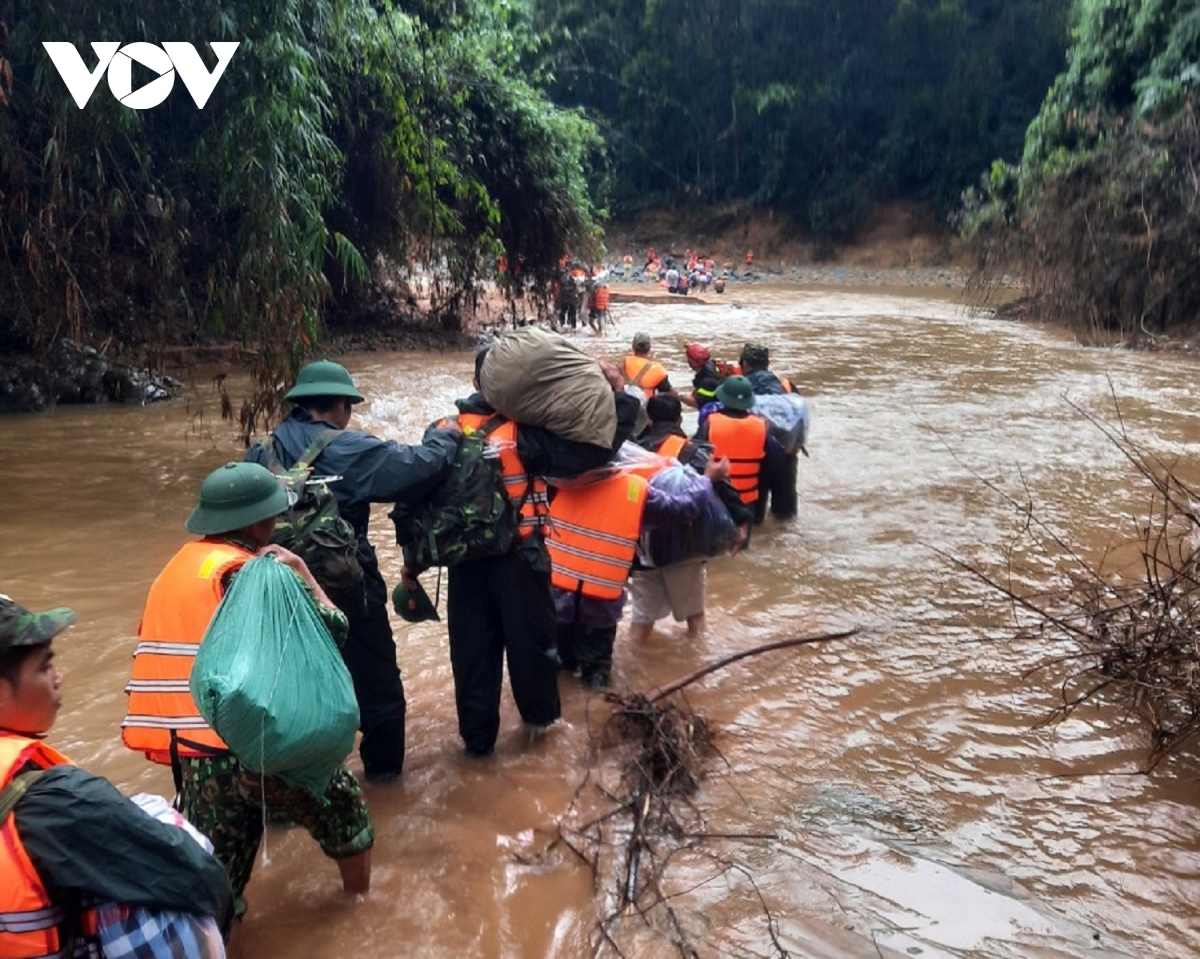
(736, 393)
(20, 627)
(235, 496)
(413, 605)
(324, 378)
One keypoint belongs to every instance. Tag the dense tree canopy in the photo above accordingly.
(1103, 212)
(815, 108)
(340, 130)
(346, 134)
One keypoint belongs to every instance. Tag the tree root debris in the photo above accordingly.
(1133, 634)
(665, 748)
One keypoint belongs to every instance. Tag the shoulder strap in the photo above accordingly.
(490, 424)
(15, 790)
(637, 380)
(315, 448)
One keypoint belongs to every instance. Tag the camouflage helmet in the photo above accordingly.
(235, 496)
(324, 378)
(20, 627)
(755, 355)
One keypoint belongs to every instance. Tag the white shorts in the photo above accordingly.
(677, 590)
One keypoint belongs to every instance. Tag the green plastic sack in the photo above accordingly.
(270, 680)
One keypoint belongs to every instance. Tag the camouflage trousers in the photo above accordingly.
(229, 803)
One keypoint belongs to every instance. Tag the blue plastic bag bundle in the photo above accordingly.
(788, 419)
(710, 533)
(270, 680)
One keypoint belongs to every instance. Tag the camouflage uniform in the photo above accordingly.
(225, 801)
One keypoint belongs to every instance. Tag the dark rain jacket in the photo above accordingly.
(85, 838)
(371, 470)
(765, 383)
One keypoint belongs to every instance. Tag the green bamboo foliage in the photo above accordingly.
(343, 134)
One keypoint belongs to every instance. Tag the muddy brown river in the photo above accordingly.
(900, 797)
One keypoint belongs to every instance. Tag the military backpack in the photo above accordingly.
(312, 527)
(469, 516)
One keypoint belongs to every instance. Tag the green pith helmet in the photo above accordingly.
(235, 496)
(413, 605)
(324, 378)
(736, 393)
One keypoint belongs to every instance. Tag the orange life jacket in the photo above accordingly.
(29, 921)
(644, 373)
(672, 446)
(744, 441)
(593, 534)
(727, 368)
(162, 716)
(601, 298)
(529, 493)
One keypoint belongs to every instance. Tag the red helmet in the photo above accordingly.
(697, 355)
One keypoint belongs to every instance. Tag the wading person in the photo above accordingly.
(642, 372)
(755, 361)
(754, 458)
(678, 589)
(593, 537)
(370, 470)
(235, 517)
(68, 839)
(500, 607)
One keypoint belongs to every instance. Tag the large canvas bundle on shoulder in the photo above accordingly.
(539, 378)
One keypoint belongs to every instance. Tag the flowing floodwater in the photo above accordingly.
(902, 800)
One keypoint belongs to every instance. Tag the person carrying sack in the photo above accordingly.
(371, 470)
(235, 517)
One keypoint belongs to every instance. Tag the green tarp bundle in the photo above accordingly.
(270, 680)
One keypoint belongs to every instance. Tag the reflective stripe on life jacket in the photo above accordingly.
(744, 441)
(178, 610)
(28, 919)
(643, 373)
(529, 494)
(593, 534)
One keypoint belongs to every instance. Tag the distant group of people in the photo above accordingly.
(695, 272)
(551, 604)
(578, 289)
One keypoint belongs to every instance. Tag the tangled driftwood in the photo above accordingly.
(1133, 636)
(666, 747)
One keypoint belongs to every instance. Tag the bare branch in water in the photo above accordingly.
(1133, 637)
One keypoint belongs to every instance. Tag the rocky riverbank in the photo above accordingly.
(70, 373)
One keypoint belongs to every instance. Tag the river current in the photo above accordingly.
(896, 792)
